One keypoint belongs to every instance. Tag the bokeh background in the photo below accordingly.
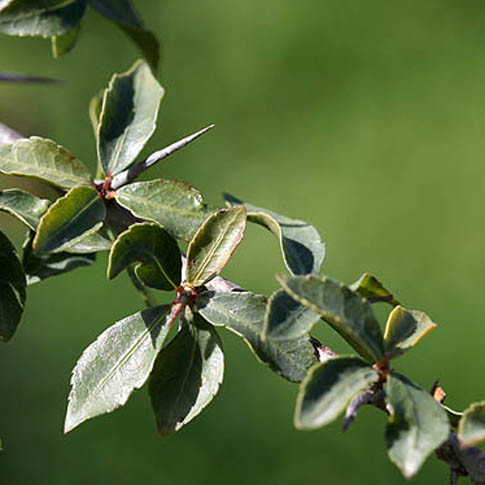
(366, 119)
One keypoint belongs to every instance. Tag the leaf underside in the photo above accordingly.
(24, 206)
(471, 428)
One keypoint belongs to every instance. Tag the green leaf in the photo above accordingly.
(243, 314)
(471, 429)
(12, 289)
(69, 219)
(92, 243)
(43, 159)
(417, 424)
(153, 247)
(328, 389)
(24, 206)
(64, 43)
(186, 376)
(177, 206)
(343, 309)
(370, 288)
(124, 14)
(95, 111)
(213, 244)
(40, 267)
(404, 329)
(44, 19)
(286, 319)
(128, 117)
(117, 363)
(301, 245)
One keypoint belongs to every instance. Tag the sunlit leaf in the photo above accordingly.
(329, 388)
(343, 309)
(115, 364)
(153, 247)
(370, 288)
(301, 245)
(69, 219)
(128, 117)
(186, 376)
(43, 159)
(417, 424)
(213, 244)
(24, 206)
(471, 429)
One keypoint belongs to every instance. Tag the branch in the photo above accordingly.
(132, 173)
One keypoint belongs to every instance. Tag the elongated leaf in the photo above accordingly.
(177, 206)
(471, 429)
(12, 289)
(243, 314)
(64, 43)
(370, 288)
(343, 309)
(69, 219)
(147, 43)
(286, 318)
(95, 113)
(186, 376)
(301, 245)
(38, 267)
(24, 206)
(128, 117)
(152, 246)
(404, 329)
(117, 363)
(213, 245)
(92, 243)
(44, 19)
(328, 389)
(417, 424)
(43, 159)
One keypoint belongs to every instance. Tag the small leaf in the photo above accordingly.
(471, 429)
(128, 117)
(44, 19)
(95, 111)
(91, 243)
(301, 245)
(404, 329)
(177, 206)
(40, 267)
(116, 364)
(64, 43)
(12, 289)
(243, 314)
(43, 159)
(344, 310)
(286, 319)
(370, 288)
(24, 206)
(328, 389)
(213, 244)
(186, 376)
(417, 424)
(69, 219)
(153, 247)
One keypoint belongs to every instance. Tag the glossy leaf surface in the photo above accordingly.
(117, 363)
(69, 219)
(153, 247)
(177, 206)
(213, 244)
(471, 429)
(329, 388)
(44, 19)
(43, 159)
(370, 288)
(417, 424)
(128, 117)
(12, 289)
(301, 245)
(186, 376)
(243, 314)
(24, 206)
(404, 329)
(286, 318)
(343, 309)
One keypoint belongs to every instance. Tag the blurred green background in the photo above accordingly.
(366, 119)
